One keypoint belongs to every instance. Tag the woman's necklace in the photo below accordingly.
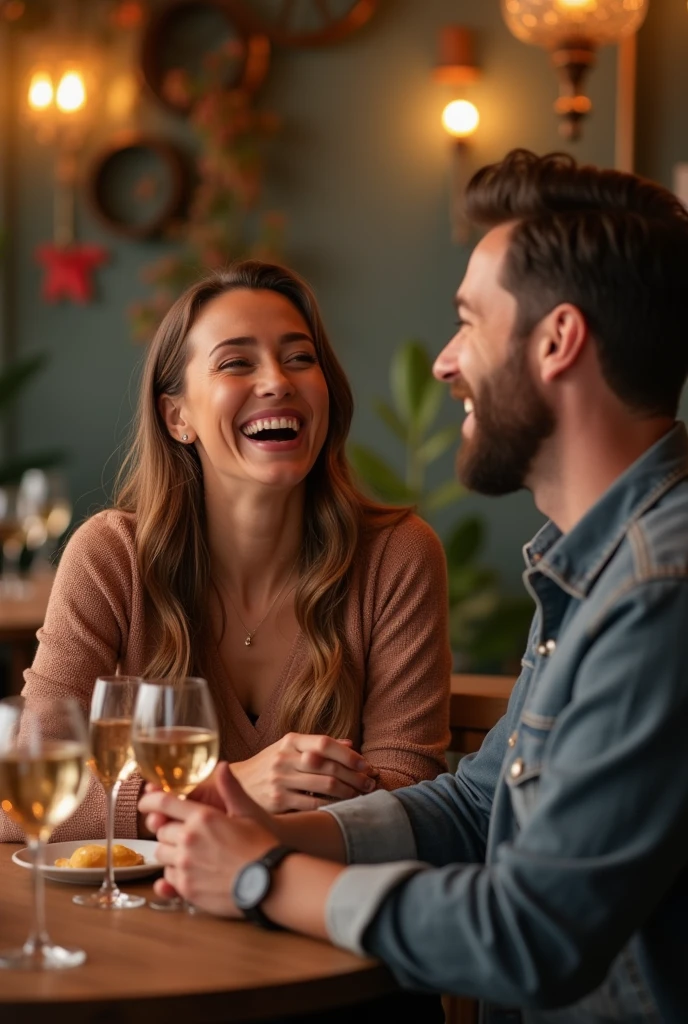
(250, 633)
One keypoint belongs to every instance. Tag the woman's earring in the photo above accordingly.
(185, 437)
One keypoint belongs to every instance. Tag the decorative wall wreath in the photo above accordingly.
(138, 185)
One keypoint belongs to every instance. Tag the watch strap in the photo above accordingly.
(272, 859)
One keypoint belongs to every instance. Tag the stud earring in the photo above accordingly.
(185, 437)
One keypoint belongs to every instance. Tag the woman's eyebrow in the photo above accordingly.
(249, 339)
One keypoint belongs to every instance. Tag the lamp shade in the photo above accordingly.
(556, 23)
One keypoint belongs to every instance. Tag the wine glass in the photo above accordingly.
(12, 537)
(111, 761)
(176, 741)
(46, 512)
(43, 779)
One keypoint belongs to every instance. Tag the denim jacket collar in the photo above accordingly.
(575, 560)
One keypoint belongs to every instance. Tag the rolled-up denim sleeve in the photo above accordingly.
(376, 829)
(541, 925)
(436, 822)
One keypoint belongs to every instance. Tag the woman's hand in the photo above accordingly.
(302, 772)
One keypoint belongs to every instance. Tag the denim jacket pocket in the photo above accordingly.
(524, 767)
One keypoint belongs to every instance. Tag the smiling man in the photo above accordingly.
(549, 876)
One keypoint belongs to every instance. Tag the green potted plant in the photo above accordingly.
(488, 629)
(13, 381)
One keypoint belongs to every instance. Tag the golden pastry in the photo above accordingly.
(94, 856)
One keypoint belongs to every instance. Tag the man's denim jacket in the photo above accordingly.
(551, 872)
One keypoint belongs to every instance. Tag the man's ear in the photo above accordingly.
(171, 409)
(562, 334)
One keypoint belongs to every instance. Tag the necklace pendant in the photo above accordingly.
(247, 641)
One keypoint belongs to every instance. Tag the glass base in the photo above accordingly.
(173, 906)
(45, 958)
(110, 901)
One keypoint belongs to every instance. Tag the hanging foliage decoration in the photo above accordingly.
(224, 220)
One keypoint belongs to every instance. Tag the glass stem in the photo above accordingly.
(108, 885)
(38, 936)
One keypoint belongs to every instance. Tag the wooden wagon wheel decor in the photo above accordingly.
(305, 22)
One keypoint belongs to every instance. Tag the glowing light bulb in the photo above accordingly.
(460, 118)
(71, 92)
(40, 91)
(576, 4)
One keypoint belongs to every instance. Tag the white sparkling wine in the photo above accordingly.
(40, 791)
(10, 530)
(176, 758)
(112, 755)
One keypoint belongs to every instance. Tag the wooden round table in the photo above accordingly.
(145, 967)
(19, 620)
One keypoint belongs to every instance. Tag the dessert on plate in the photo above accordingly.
(93, 856)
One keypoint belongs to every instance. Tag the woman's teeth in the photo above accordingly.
(468, 406)
(275, 423)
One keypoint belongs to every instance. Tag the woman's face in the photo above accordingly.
(255, 400)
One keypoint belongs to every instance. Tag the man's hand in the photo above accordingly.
(204, 848)
(203, 845)
(207, 793)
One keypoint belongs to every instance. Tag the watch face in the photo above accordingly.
(252, 886)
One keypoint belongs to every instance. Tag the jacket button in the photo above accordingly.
(512, 739)
(516, 769)
(547, 648)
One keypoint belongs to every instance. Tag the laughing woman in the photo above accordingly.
(239, 549)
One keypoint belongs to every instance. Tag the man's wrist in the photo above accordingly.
(310, 832)
(298, 896)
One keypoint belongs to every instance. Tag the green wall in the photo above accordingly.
(361, 172)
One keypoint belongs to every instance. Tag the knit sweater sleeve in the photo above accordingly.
(84, 636)
(405, 720)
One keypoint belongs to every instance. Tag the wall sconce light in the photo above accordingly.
(460, 117)
(57, 98)
(573, 30)
(59, 105)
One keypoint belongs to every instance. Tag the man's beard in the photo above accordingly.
(511, 422)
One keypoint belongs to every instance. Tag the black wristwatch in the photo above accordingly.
(254, 882)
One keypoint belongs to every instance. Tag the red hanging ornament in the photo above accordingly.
(69, 270)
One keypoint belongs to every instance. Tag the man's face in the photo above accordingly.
(488, 367)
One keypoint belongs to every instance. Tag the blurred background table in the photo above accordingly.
(145, 967)
(19, 620)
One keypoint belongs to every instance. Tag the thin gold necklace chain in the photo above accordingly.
(250, 633)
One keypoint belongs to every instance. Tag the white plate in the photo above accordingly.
(91, 876)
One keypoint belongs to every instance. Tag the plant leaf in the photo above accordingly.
(380, 478)
(432, 399)
(391, 420)
(446, 494)
(465, 541)
(17, 375)
(437, 444)
(12, 470)
(410, 373)
(466, 581)
(501, 636)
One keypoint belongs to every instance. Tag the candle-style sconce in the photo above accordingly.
(59, 104)
(460, 118)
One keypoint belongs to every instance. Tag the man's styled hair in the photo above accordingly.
(612, 244)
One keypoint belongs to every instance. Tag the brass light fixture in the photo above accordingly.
(460, 118)
(573, 30)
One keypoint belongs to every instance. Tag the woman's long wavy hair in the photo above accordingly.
(161, 481)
